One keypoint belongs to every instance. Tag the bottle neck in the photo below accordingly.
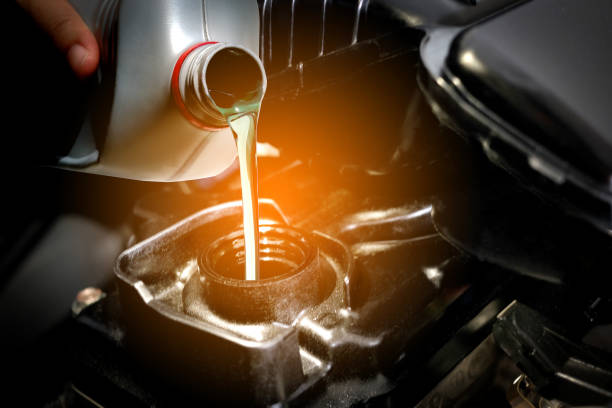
(214, 76)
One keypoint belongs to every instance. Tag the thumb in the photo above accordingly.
(68, 31)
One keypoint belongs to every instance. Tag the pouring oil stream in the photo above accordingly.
(242, 118)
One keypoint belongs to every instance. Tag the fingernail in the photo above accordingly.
(77, 55)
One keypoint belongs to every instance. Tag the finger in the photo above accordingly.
(68, 31)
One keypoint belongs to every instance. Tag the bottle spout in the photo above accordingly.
(215, 80)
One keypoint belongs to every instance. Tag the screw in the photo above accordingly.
(86, 297)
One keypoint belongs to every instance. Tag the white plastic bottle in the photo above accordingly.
(151, 117)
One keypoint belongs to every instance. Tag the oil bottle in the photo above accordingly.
(153, 116)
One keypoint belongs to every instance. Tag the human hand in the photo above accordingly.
(68, 31)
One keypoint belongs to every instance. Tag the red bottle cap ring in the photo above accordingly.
(176, 92)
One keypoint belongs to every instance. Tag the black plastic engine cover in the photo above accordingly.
(530, 82)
